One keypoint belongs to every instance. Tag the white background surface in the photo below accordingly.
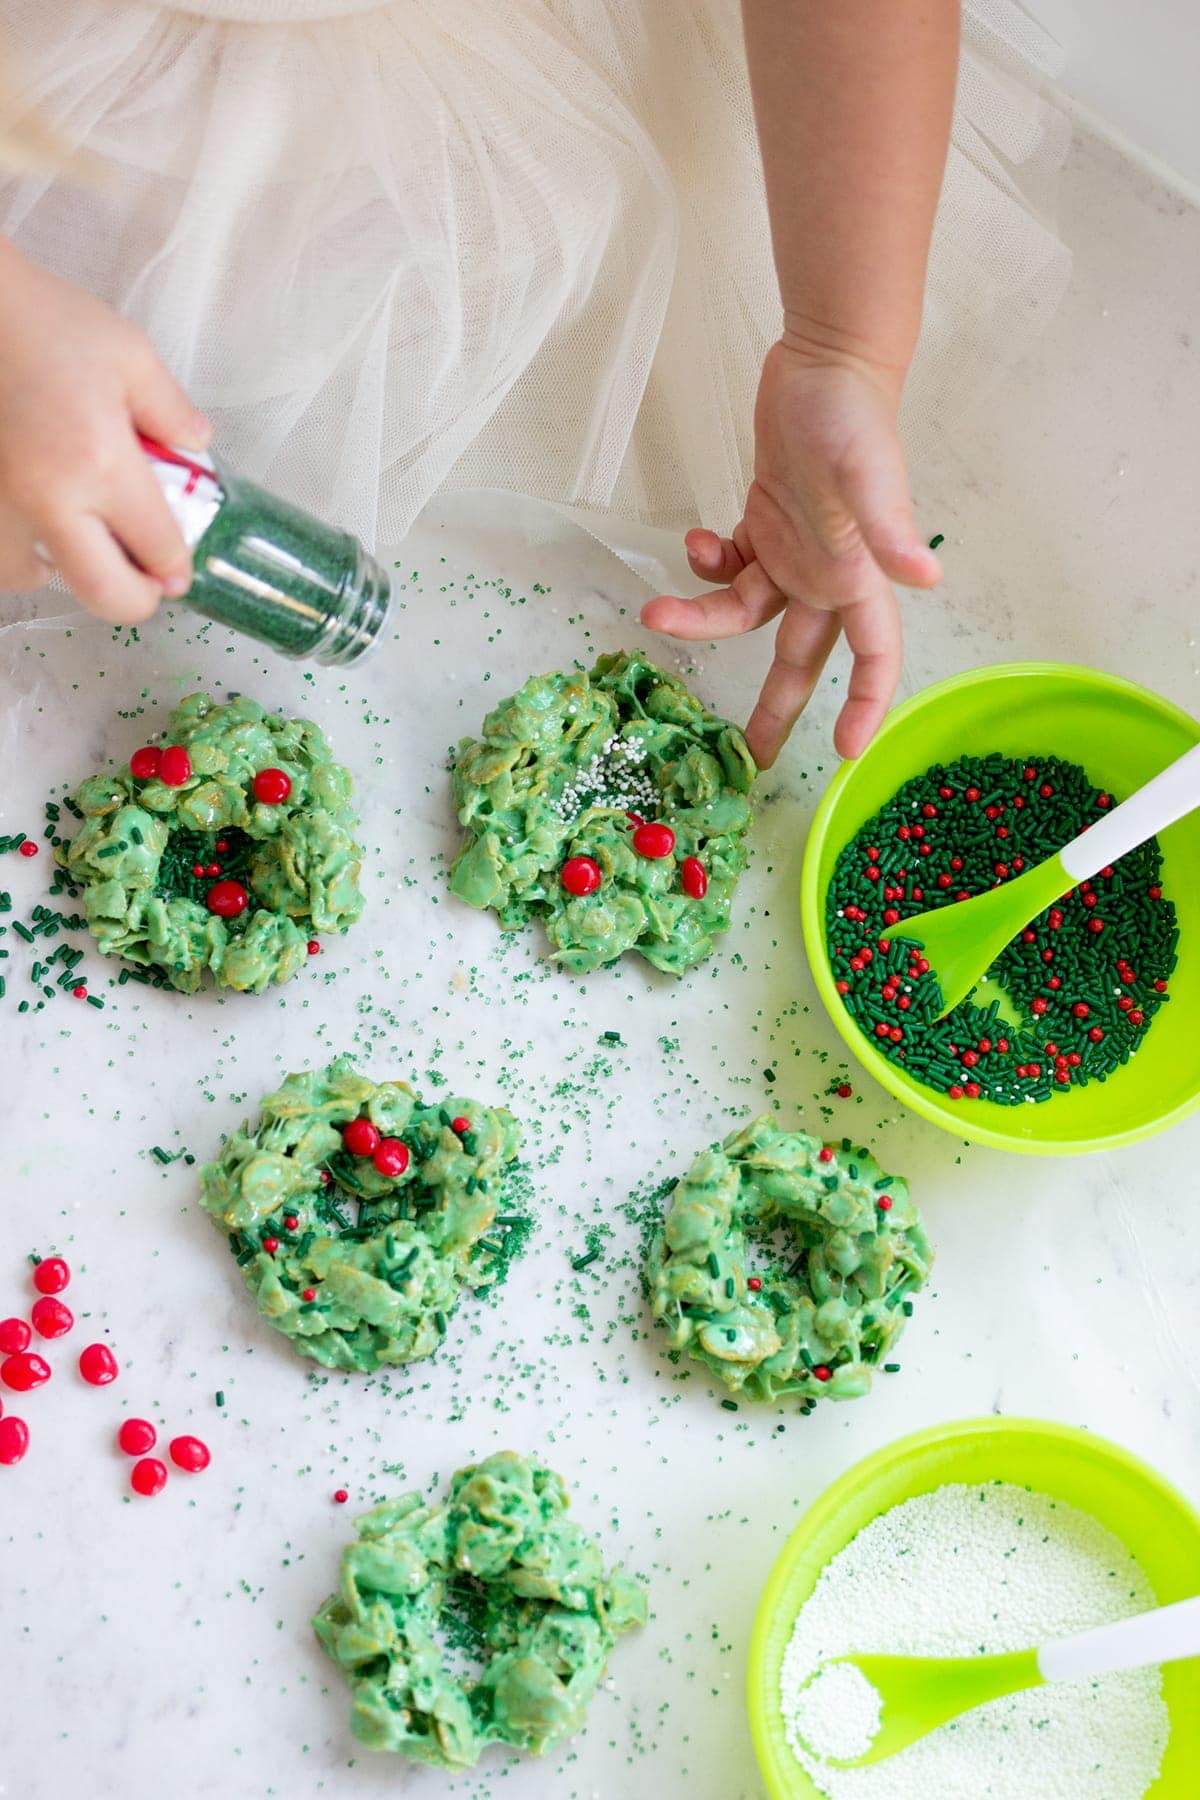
(162, 1647)
(1138, 67)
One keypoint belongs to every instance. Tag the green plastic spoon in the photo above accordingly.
(919, 1693)
(962, 942)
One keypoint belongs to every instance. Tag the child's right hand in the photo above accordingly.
(827, 528)
(77, 383)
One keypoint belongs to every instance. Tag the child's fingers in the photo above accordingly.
(141, 521)
(160, 408)
(711, 557)
(21, 568)
(802, 645)
(750, 600)
(873, 633)
(98, 572)
(874, 486)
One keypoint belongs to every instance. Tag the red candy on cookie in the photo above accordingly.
(580, 875)
(360, 1137)
(272, 786)
(174, 766)
(654, 841)
(144, 763)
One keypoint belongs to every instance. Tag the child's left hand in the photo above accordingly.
(827, 527)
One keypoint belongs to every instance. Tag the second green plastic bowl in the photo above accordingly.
(1149, 1516)
(1122, 735)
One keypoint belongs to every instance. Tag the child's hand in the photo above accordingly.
(828, 525)
(77, 383)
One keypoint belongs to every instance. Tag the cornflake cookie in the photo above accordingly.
(498, 1571)
(226, 849)
(786, 1266)
(357, 1214)
(611, 806)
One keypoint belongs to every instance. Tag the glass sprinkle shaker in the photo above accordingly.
(268, 569)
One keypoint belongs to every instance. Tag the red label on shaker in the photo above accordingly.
(189, 484)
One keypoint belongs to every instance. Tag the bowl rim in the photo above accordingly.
(1156, 1487)
(925, 1102)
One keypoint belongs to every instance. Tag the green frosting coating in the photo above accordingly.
(511, 1581)
(298, 860)
(384, 1258)
(833, 1300)
(552, 778)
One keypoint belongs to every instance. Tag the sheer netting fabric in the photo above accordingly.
(522, 245)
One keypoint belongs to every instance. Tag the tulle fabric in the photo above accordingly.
(519, 244)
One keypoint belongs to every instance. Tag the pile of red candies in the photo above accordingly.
(23, 1370)
(149, 1474)
(581, 875)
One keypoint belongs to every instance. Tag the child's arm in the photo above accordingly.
(853, 100)
(76, 384)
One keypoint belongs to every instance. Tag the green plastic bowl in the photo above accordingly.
(1149, 1516)
(1122, 735)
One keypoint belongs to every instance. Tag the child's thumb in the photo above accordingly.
(875, 489)
(162, 410)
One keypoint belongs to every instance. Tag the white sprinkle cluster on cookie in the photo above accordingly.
(611, 778)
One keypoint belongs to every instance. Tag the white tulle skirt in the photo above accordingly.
(485, 243)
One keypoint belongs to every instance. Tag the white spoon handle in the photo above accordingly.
(1169, 796)
(1164, 1635)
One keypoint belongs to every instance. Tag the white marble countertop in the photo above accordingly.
(162, 1647)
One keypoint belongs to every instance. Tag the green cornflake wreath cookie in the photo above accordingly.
(500, 1570)
(821, 1312)
(357, 1214)
(610, 805)
(226, 849)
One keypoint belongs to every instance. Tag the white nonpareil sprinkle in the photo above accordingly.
(969, 1571)
(611, 778)
(838, 1713)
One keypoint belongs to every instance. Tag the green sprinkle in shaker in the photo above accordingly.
(265, 568)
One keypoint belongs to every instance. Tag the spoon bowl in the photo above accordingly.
(917, 1694)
